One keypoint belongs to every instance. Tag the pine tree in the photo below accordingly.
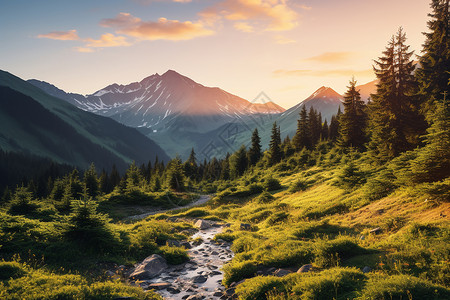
(254, 153)
(324, 133)
(275, 145)
(314, 126)
(114, 177)
(91, 181)
(175, 175)
(302, 137)
(238, 162)
(352, 122)
(391, 109)
(433, 75)
(225, 168)
(190, 166)
(433, 160)
(133, 177)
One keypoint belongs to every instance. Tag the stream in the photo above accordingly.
(200, 277)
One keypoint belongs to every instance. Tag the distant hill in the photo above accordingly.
(31, 121)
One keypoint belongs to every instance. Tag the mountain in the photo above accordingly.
(165, 102)
(32, 121)
(367, 89)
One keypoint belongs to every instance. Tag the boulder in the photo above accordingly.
(376, 230)
(185, 244)
(173, 243)
(151, 267)
(159, 285)
(281, 272)
(199, 279)
(305, 268)
(366, 269)
(194, 297)
(202, 224)
(245, 226)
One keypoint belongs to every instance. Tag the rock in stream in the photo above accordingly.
(199, 278)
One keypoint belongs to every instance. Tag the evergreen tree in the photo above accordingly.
(190, 166)
(91, 181)
(238, 162)
(175, 175)
(314, 126)
(433, 74)
(275, 145)
(324, 133)
(391, 112)
(302, 136)
(114, 177)
(225, 168)
(133, 178)
(433, 160)
(352, 122)
(254, 153)
(287, 147)
(103, 183)
(333, 129)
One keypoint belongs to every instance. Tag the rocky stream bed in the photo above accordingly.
(199, 278)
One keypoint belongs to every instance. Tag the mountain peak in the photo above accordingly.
(324, 92)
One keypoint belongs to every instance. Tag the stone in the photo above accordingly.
(214, 253)
(159, 285)
(218, 294)
(173, 291)
(281, 272)
(245, 226)
(199, 279)
(186, 245)
(202, 224)
(376, 230)
(305, 268)
(366, 269)
(173, 243)
(194, 297)
(151, 267)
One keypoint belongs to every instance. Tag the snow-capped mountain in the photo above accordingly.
(167, 101)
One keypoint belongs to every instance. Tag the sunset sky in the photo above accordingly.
(286, 48)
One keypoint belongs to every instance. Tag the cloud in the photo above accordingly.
(243, 26)
(163, 29)
(279, 39)
(331, 57)
(274, 15)
(107, 40)
(147, 2)
(84, 49)
(324, 73)
(70, 35)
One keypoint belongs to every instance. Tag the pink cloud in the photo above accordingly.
(70, 35)
(163, 29)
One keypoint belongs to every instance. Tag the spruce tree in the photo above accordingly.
(254, 153)
(352, 122)
(391, 112)
(314, 126)
(190, 166)
(238, 162)
(433, 74)
(275, 145)
(302, 137)
(324, 133)
(175, 175)
(91, 181)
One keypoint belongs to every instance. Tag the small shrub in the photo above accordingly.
(11, 270)
(265, 197)
(400, 287)
(330, 253)
(272, 184)
(297, 186)
(257, 287)
(336, 283)
(174, 255)
(226, 236)
(236, 271)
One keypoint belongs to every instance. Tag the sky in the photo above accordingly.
(284, 48)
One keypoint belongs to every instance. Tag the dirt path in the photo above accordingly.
(202, 200)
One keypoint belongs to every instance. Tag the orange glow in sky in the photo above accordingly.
(286, 48)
